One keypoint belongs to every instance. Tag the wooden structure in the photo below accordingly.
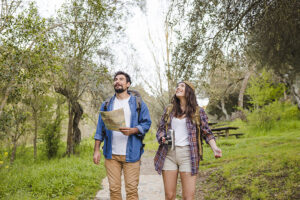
(224, 131)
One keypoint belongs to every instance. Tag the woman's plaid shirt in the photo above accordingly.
(191, 127)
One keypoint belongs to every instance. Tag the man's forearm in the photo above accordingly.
(97, 145)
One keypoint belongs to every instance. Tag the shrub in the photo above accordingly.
(51, 137)
(263, 90)
(265, 118)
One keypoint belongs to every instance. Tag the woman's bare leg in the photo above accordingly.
(188, 185)
(170, 183)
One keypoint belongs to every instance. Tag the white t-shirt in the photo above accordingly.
(181, 132)
(119, 140)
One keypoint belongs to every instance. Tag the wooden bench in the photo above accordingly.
(219, 133)
(237, 135)
(226, 129)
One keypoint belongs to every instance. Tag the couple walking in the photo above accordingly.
(123, 149)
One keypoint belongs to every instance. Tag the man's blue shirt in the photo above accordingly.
(134, 148)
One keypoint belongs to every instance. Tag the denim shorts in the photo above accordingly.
(178, 159)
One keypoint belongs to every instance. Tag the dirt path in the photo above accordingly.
(150, 185)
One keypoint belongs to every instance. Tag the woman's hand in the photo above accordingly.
(163, 140)
(218, 152)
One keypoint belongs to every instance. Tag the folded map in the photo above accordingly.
(113, 120)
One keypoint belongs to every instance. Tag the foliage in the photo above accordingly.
(265, 96)
(51, 137)
(150, 140)
(4, 160)
(263, 90)
(268, 27)
(26, 51)
(223, 85)
(264, 33)
(265, 117)
(274, 37)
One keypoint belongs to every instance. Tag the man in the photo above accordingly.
(122, 150)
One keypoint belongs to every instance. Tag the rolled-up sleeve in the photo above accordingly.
(204, 127)
(100, 126)
(144, 121)
(161, 131)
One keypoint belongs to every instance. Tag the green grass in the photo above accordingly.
(60, 178)
(150, 141)
(261, 165)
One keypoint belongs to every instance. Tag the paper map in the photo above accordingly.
(113, 120)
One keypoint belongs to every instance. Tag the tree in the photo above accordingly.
(263, 90)
(26, 60)
(83, 28)
(15, 121)
(266, 31)
(274, 40)
(25, 51)
(7, 10)
(223, 83)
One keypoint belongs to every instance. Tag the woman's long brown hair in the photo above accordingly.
(191, 103)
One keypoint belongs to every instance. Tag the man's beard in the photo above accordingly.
(120, 90)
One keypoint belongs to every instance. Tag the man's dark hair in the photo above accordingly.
(123, 73)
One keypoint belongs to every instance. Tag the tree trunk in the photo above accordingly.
(296, 95)
(168, 62)
(243, 89)
(70, 145)
(78, 111)
(70, 140)
(35, 134)
(295, 91)
(13, 154)
(224, 109)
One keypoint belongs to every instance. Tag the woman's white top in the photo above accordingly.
(181, 132)
(119, 140)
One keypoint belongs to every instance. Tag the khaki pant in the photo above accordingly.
(131, 172)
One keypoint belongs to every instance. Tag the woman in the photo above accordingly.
(186, 156)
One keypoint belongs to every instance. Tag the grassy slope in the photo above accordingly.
(65, 178)
(262, 165)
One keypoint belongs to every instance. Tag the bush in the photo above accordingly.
(266, 117)
(51, 137)
(263, 90)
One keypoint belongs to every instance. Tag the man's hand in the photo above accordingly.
(97, 156)
(129, 131)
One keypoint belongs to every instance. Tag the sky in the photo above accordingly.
(138, 29)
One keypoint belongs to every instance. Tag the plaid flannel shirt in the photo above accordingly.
(192, 131)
